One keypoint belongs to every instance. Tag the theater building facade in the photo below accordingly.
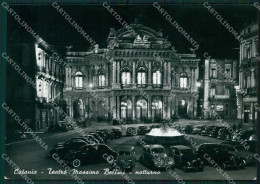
(138, 77)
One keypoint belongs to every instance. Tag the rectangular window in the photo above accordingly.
(126, 78)
(212, 92)
(213, 73)
(141, 78)
(101, 80)
(157, 78)
(78, 81)
(183, 82)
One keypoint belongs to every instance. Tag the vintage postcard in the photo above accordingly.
(129, 91)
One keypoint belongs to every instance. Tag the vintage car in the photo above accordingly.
(61, 149)
(97, 137)
(155, 156)
(131, 131)
(187, 129)
(142, 130)
(185, 158)
(242, 135)
(116, 133)
(207, 130)
(214, 131)
(222, 133)
(89, 154)
(239, 151)
(220, 155)
(198, 129)
(126, 158)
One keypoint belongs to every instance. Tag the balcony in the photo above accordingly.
(142, 85)
(157, 85)
(127, 86)
(219, 97)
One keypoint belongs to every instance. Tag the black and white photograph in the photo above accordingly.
(129, 91)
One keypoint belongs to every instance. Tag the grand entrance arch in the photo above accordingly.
(141, 109)
(78, 108)
(126, 110)
(182, 109)
(156, 109)
(101, 111)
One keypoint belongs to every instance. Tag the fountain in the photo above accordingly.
(166, 136)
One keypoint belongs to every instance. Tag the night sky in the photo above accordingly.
(96, 21)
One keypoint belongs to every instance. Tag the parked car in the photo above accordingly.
(104, 135)
(142, 130)
(198, 129)
(238, 150)
(155, 157)
(187, 129)
(251, 146)
(243, 135)
(230, 135)
(252, 137)
(207, 130)
(126, 158)
(222, 133)
(185, 158)
(220, 155)
(116, 133)
(214, 131)
(61, 149)
(131, 131)
(97, 137)
(89, 154)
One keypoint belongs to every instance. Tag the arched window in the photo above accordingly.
(126, 109)
(101, 80)
(184, 81)
(78, 80)
(157, 78)
(141, 109)
(157, 109)
(125, 77)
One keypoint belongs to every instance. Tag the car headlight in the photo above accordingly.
(169, 160)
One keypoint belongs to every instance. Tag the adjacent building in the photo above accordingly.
(34, 85)
(138, 77)
(247, 109)
(220, 78)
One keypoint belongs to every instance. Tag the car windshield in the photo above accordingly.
(124, 153)
(158, 150)
(188, 153)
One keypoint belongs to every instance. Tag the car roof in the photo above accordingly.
(155, 146)
(181, 147)
(125, 148)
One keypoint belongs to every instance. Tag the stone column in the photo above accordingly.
(169, 99)
(164, 74)
(164, 107)
(91, 76)
(114, 72)
(149, 107)
(149, 74)
(118, 72)
(134, 75)
(114, 107)
(133, 107)
(169, 73)
(118, 107)
(107, 73)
